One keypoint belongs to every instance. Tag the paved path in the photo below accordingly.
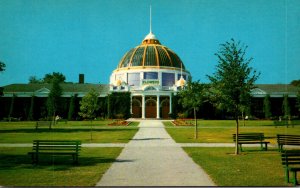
(152, 158)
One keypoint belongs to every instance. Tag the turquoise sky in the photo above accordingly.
(91, 36)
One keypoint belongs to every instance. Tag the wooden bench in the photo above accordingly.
(283, 139)
(291, 161)
(43, 123)
(55, 148)
(251, 138)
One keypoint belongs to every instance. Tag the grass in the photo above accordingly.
(16, 168)
(213, 131)
(24, 132)
(252, 168)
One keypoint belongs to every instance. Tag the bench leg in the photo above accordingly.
(294, 178)
(75, 159)
(287, 175)
(33, 158)
(240, 147)
(266, 146)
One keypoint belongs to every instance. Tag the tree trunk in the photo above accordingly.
(91, 129)
(11, 109)
(236, 134)
(243, 117)
(53, 120)
(196, 125)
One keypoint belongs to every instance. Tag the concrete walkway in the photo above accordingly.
(152, 158)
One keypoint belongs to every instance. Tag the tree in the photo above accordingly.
(192, 97)
(296, 83)
(286, 107)
(31, 109)
(233, 80)
(298, 103)
(35, 80)
(53, 100)
(267, 107)
(72, 107)
(119, 105)
(2, 66)
(48, 78)
(89, 106)
(11, 108)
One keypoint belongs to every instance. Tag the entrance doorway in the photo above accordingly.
(165, 108)
(150, 108)
(136, 108)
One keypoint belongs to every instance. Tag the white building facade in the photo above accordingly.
(152, 73)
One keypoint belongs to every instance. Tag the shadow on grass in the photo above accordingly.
(56, 163)
(62, 130)
(140, 139)
(257, 150)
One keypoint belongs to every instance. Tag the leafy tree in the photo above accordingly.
(35, 80)
(233, 80)
(53, 100)
(2, 66)
(192, 97)
(72, 107)
(298, 102)
(55, 75)
(267, 107)
(286, 107)
(89, 105)
(296, 83)
(119, 104)
(48, 78)
(11, 109)
(31, 109)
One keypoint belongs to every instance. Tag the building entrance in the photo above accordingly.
(150, 108)
(136, 108)
(165, 109)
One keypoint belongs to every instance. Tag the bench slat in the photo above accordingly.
(251, 138)
(287, 140)
(291, 161)
(55, 147)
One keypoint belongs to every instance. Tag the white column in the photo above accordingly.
(157, 107)
(131, 104)
(143, 107)
(170, 110)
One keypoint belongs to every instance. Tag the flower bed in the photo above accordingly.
(119, 123)
(182, 122)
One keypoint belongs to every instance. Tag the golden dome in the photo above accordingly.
(150, 54)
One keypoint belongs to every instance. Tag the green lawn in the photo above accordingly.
(252, 168)
(16, 168)
(24, 132)
(212, 131)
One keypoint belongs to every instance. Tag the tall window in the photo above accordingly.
(134, 79)
(150, 75)
(168, 79)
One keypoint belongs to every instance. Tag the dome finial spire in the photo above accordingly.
(150, 19)
(150, 38)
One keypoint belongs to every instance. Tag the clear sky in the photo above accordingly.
(91, 36)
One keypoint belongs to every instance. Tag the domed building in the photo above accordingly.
(151, 72)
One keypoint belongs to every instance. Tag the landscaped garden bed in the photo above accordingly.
(182, 122)
(119, 123)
